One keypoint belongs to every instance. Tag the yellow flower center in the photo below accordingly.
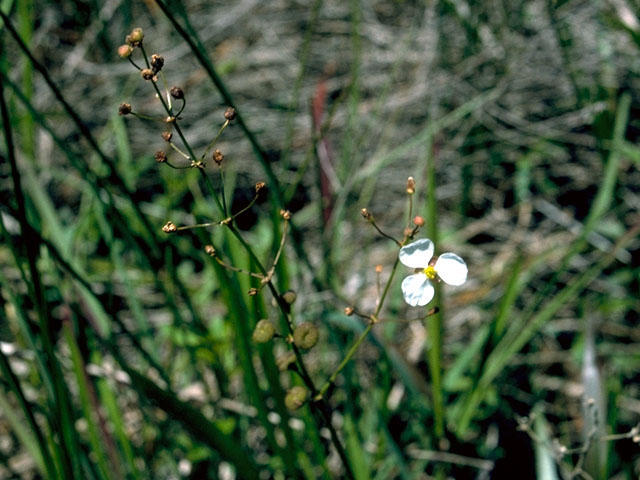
(430, 272)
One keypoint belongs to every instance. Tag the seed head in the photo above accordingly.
(218, 157)
(210, 250)
(366, 214)
(125, 51)
(135, 37)
(230, 113)
(124, 109)
(260, 186)
(348, 311)
(296, 397)
(264, 331)
(147, 74)
(161, 157)
(167, 136)
(157, 62)
(169, 227)
(305, 335)
(177, 93)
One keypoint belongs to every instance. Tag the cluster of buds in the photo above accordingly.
(124, 109)
(157, 62)
(218, 156)
(169, 227)
(135, 37)
(160, 156)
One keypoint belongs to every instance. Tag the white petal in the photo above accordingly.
(417, 254)
(417, 290)
(451, 269)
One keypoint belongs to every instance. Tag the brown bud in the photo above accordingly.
(264, 331)
(253, 292)
(348, 311)
(147, 74)
(418, 221)
(210, 250)
(366, 214)
(218, 157)
(170, 119)
(135, 37)
(378, 268)
(305, 335)
(289, 297)
(161, 157)
(157, 62)
(296, 397)
(286, 214)
(169, 227)
(167, 136)
(260, 186)
(411, 186)
(230, 113)
(285, 360)
(177, 93)
(125, 51)
(124, 109)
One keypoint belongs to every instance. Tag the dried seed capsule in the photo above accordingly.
(177, 93)
(253, 292)
(210, 250)
(305, 335)
(218, 157)
(167, 136)
(348, 311)
(264, 331)
(147, 74)
(260, 186)
(286, 214)
(230, 113)
(124, 109)
(296, 397)
(366, 214)
(161, 157)
(157, 62)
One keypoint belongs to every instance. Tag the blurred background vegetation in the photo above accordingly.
(127, 353)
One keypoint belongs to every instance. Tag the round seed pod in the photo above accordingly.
(305, 335)
(296, 397)
(264, 331)
(289, 297)
(285, 360)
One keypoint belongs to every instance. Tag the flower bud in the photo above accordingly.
(124, 109)
(147, 74)
(167, 136)
(253, 292)
(289, 297)
(169, 227)
(125, 51)
(135, 37)
(260, 186)
(210, 250)
(157, 62)
(264, 331)
(418, 221)
(285, 360)
(296, 397)
(411, 186)
(348, 311)
(366, 214)
(177, 93)
(379, 268)
(305, 335)
(161, 157)
(218, 157)
(230, 113)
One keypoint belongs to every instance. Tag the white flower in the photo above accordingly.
(449, 267)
